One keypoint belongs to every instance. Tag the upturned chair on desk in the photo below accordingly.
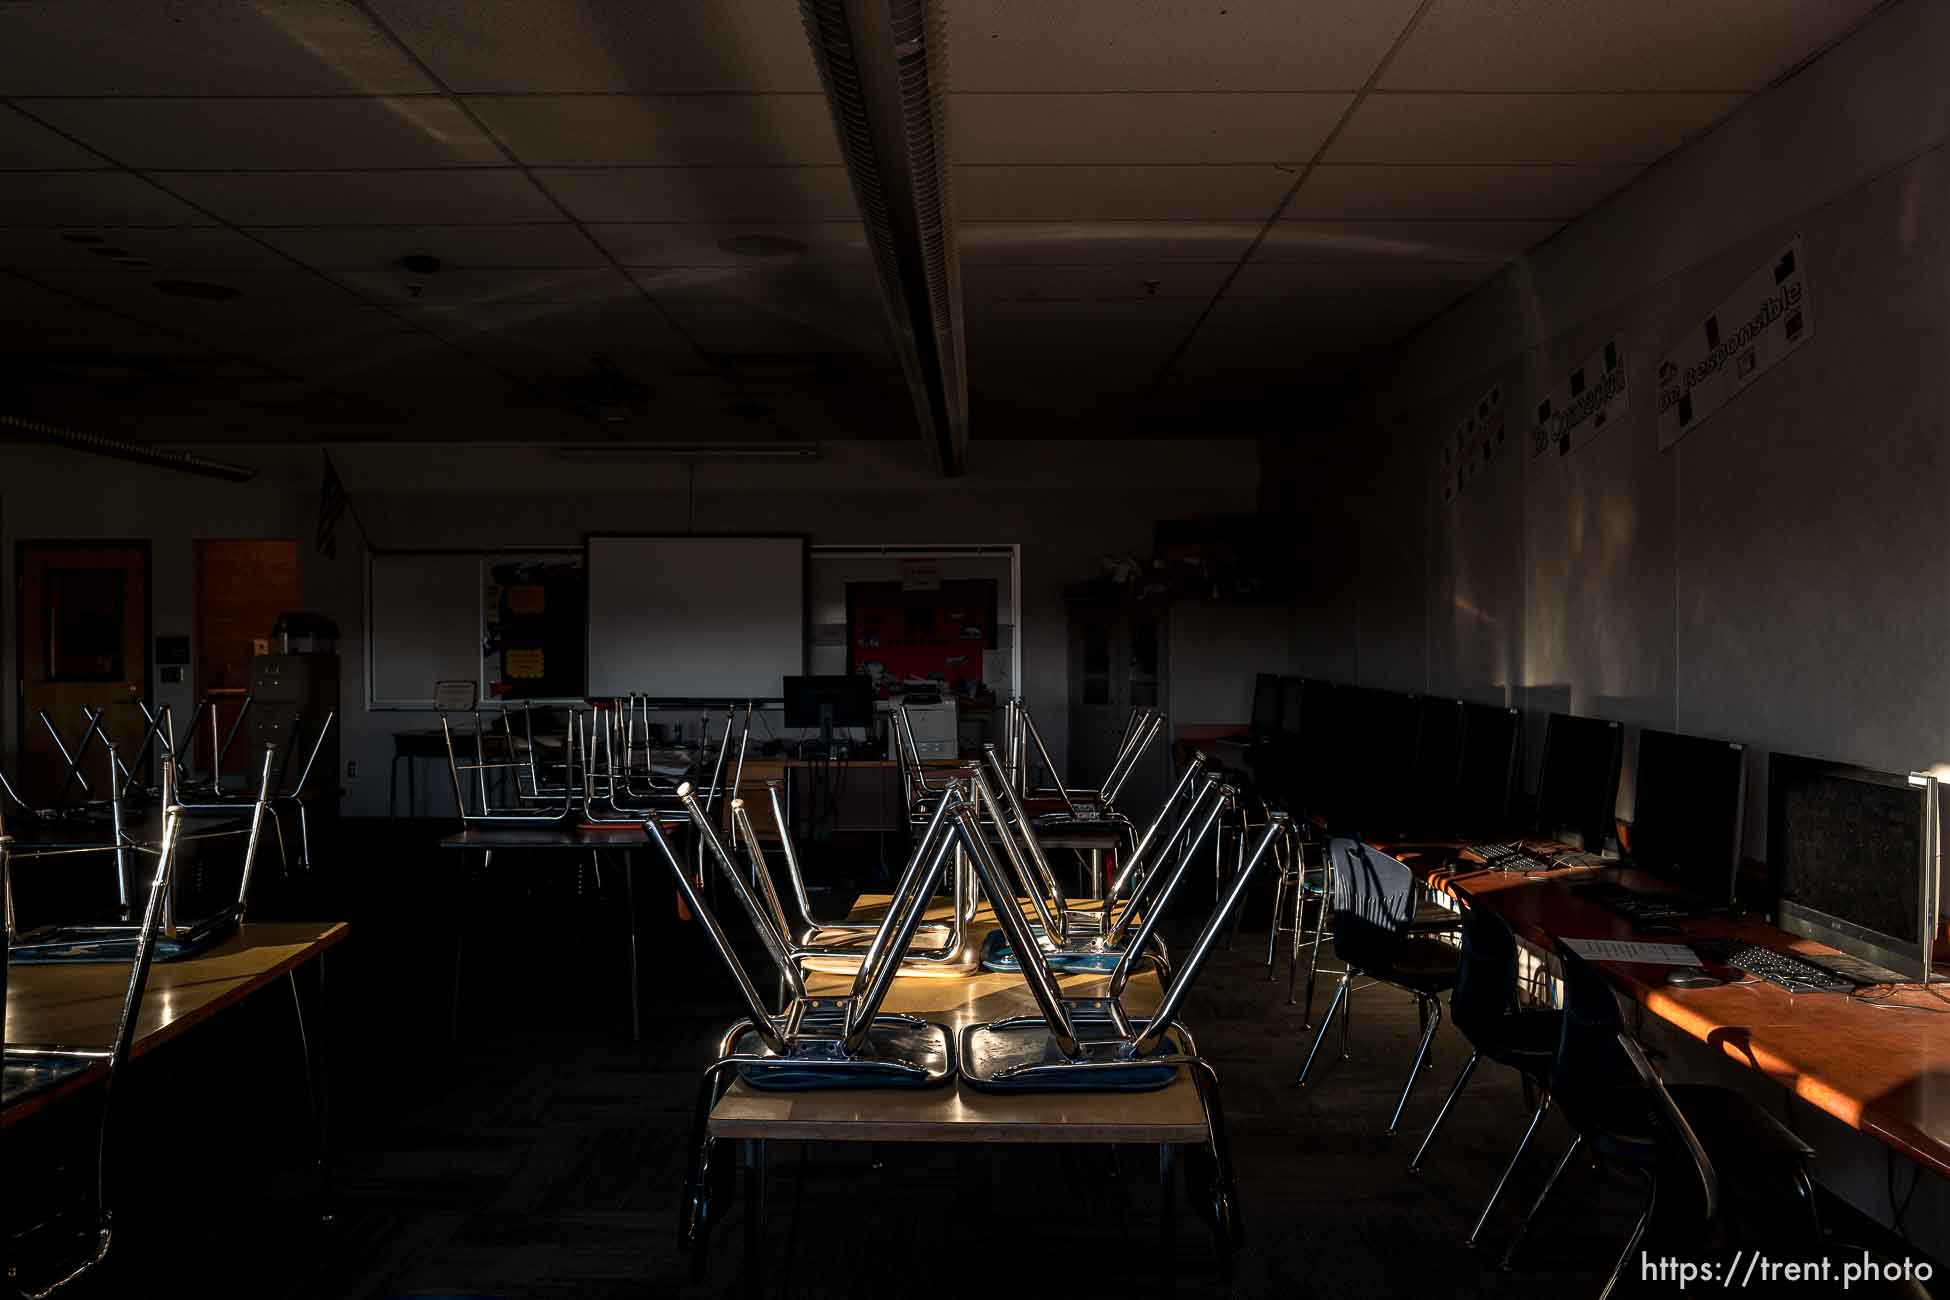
(84, 1240)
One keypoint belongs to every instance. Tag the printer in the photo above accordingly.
(932, 717)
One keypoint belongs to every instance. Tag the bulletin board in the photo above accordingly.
(534, 626)
(934, 634)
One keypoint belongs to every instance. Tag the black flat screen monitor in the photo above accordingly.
(1266, 706)
(1293, 692)
(844, 700)
(1577, 787)
(1488, 769)
(1688, 812)
(1438, 761)
(1854, 851)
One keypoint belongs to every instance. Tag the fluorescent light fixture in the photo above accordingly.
(689, 451)
(138, 453)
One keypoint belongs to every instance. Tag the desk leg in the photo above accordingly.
(1097, 874)
(636, 984)
(462, 911)
(754, 1161)
(1167, 1218)
(311, 1046)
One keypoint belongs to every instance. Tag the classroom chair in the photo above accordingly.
(1375, 938)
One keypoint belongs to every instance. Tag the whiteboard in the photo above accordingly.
(423, 625)
(696, 617)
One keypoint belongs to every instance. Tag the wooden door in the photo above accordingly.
(83, 620)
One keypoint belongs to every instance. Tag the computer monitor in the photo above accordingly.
(1437, 763)
(1577, 786)
(1855, 855)
(1487, 771)
(1386, 727)
(1293, 692)
(1688, 812)
(844, 700)
(1266, 706)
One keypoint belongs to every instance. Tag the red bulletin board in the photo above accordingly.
(937, 634)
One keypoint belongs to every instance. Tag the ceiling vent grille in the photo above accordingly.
(883, 64)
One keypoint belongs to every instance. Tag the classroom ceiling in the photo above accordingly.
(1168, 212)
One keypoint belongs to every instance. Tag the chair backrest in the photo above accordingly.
(1374, 901)
(1590, 1063)
(1486, 979)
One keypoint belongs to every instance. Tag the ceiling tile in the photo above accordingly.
(261, 293)
(279, 134)
(1161, 128)
(703, 193)
(1119, 333)
(398, 287)
(1102, 282)
(1296, 240)
(776, 326)
(1602, 45)
(662, 130)
(673, 243)
(1114, 193)
(1233, 45)
(1072, 242)
(90, 199)
(1588, 129)
(1477, 192)
(374, 248)
(608, 45)
(461, 196)
(26, 145)
(1348, 292)
(573, 329)
(195, 248)
(230, 47)
(795, 283)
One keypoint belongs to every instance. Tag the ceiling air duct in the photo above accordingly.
(884, 66)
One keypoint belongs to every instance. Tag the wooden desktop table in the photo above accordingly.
(1883, 1072)
(80, 1004)
(955, 1113)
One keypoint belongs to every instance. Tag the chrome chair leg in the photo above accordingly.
(1273, 926)
(1543, 1194)
(1431, 1013)
(1340, 998)
(1321, 904)
(1442, 1116)
(1632, 1242)
(1496, 1192)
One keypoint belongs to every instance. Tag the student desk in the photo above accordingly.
(1168, 1118)
(80, 1005)
(1883, 1072)
(559, 837)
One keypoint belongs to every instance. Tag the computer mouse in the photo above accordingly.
(1692, 977)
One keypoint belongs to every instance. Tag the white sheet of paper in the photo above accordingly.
(1652, 954)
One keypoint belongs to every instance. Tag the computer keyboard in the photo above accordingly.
(1504, 857)
(1635, 905)
(1785, 970)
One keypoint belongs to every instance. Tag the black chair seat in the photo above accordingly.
(1431, 915)
(1735, 1132)
(1422, 963)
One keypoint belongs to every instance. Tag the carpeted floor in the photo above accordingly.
(541, 1154)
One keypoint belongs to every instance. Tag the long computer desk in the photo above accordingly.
(1880, 1071)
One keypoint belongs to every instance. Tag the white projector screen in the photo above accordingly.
(696, 617)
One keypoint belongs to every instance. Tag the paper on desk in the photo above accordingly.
(1651, 954)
